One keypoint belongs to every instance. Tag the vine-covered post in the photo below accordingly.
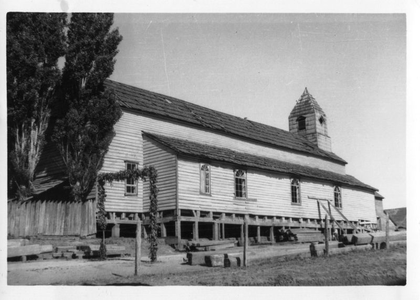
(143, 174)
(101, 215)
(153, 246)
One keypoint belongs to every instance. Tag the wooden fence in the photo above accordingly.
(36, 217)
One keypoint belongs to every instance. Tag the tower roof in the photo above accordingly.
(306, 104)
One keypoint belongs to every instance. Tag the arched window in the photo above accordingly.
(337, 197)
(301, 123)
(240, 183)
(205, 179)
(295, 185)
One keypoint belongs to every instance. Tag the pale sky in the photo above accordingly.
(257, 66)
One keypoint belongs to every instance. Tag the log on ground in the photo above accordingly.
(215, 260)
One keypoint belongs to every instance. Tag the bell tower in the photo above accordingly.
(309, 120)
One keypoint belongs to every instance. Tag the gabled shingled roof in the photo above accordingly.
(398, 216)
(146, 101)
(305, 105)
(193, 149)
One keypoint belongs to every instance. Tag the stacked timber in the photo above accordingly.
(215, 260)
(17, 242)
(21, 248)
(93, 250)
(361, 239)
(232, 260)
(373, 237)
(308, 236)
(207, 245)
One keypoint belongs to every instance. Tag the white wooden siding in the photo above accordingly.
(136, 122)
(165, 164)
(128, 145)
(271, 191)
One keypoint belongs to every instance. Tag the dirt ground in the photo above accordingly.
(370, 267)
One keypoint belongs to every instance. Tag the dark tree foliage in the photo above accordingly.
(87, 111)
(35, 41)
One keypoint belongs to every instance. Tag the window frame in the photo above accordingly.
(339, 199)
(301, 121)
(202, 180)
(244, 182)
(295, 183)
(131, 185)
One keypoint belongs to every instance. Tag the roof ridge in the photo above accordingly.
(231, 155)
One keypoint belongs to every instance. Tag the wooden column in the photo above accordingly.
(223, 231)
(215, 231)
(326, 236)
(242, 233)
(223, 226)
(245, 233)
(259, 234)
(272, 234)
(195, 231)
(162, 230)
(178, 231)
(387, 231)
(115, 230)
(138, 248)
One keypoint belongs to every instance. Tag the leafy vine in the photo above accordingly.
(147, 173)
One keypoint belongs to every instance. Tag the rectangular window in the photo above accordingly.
(130, 184)
(205, 179)
(240, 184)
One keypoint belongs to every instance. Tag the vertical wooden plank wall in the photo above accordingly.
(165, 165)
(51, 218)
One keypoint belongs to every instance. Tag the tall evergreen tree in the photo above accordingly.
(35, 41)
(84, 130)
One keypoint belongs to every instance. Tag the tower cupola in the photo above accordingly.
(309, 120)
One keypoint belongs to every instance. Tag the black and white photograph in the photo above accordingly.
(194, 148)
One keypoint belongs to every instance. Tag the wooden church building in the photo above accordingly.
(216, 171)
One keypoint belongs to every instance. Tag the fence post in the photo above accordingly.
(138, 248)
(327, 250)
(245, 242)
(387, 231)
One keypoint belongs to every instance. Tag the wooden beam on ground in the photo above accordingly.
(28, 250)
